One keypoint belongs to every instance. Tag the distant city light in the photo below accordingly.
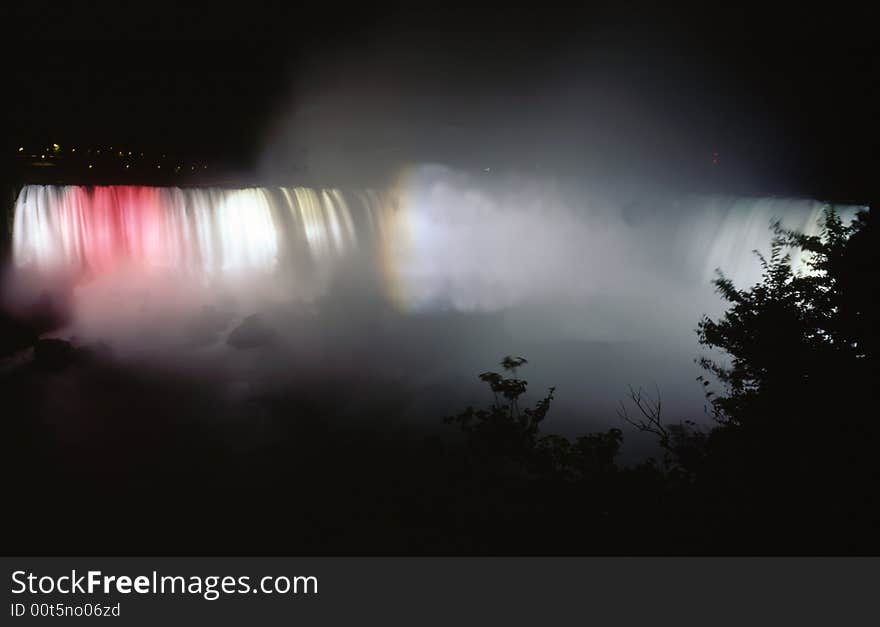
(50, 155)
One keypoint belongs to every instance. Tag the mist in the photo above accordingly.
(399, 298)
(423, 213)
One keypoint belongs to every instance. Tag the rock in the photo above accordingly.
(53, 354)
(20, 328)
(253, 332)
(47, 313)
(205, 329)
(99, 351)
(15, 335)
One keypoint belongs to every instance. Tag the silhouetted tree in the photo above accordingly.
(683, 444)
(789, 466)
(790, 326)
(798, 430)
(504, 430)
(506, 434)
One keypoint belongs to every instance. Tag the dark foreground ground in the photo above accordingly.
(151, 464)
(109, 460)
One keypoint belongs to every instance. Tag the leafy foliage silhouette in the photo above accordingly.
(507, 435)
(789, 462)
(796, 429)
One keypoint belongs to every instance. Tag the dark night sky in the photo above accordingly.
(789, 94)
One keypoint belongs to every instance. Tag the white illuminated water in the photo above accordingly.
(200, 230)
(437, 240)
(598, 292)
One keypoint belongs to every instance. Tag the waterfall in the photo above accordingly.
(197, 230)
(438, 239)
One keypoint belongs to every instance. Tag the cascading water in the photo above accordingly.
(438, 240)
(201, 230)
(601, 292)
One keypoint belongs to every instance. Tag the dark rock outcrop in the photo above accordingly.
(253, 332)
(53, 354)
(205, 329)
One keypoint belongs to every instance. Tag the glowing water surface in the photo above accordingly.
(437, 240)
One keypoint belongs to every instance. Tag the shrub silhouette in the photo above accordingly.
(506, 435)
(797, 434)
(790, 327)
(789, 465)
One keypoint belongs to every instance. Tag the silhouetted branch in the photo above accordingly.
(651, 410)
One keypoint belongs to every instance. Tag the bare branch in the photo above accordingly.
(650, 408)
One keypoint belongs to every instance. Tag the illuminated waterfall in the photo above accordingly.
(437, 239)
(210, 231)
